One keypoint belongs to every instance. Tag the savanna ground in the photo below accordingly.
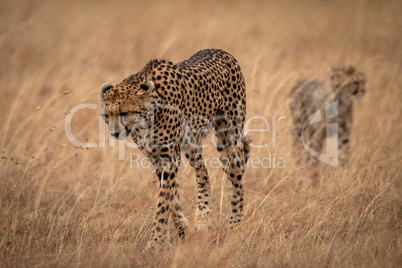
(65, 206)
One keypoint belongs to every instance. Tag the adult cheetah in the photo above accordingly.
(168, 109)
(343, 85)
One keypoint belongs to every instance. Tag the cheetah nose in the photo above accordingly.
(116, 134)
(106, 87)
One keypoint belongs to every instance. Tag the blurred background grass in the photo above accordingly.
(64, 206)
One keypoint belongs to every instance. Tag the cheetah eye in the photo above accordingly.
(355, 91)
(105, 115)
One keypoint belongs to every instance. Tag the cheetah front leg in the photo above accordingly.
(179, 220)
(343, 143)
(168, 200)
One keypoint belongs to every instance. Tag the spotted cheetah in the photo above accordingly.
(168, 109)
(343, 85)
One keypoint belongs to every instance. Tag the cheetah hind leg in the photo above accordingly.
(234, 170)
(234, 159)
(203, 215)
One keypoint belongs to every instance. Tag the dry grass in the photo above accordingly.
(65, 206)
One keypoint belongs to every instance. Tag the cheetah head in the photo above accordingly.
(130, 105)
(347, 83)
(125, 106)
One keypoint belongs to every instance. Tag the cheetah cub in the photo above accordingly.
(334, 103)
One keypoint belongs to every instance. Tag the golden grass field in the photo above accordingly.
(66, 206)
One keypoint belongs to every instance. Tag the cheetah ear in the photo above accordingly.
(361, 76)
(331, 73)
(106, 87)
(146, 87)
(350, 70)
